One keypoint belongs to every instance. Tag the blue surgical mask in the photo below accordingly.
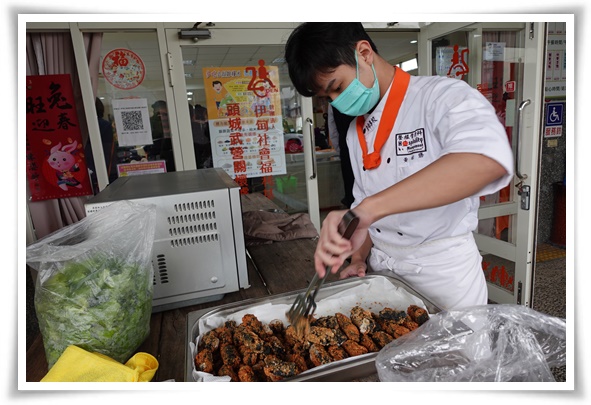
(357, 99)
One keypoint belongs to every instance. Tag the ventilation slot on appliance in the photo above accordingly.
(194, 240)
(194, 205)
(194, 217)
(193, 229)
(193, 223)
(161, 271)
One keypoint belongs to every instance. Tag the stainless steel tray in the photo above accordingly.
(344, 370)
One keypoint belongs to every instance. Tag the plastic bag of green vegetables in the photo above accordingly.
(95, 282)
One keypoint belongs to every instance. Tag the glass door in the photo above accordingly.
(238, 110)
(502, 61)
(132, 99)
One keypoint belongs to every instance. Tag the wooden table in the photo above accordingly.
(272, 269)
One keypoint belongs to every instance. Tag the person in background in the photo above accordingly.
(201, 140)
(159, 121)
(320, 139)
(108, 142)
(338, 124)
(422, 149)
(162, 146)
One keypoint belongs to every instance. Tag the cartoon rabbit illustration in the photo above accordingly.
(64, 163)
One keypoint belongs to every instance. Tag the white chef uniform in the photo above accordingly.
(433, 250)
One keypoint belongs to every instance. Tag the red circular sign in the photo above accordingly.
(124, 69)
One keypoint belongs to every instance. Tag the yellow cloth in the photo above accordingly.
(78, 365)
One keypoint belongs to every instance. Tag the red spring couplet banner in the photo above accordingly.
(56, 167)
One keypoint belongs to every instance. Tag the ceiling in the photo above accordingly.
(393, 46)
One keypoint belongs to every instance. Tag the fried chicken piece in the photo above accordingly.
(245, 336)
(230, 356)
(326, 322)
(387, 326)
(418, 314)
(319, 355)
(210, 341)
(381, 338)
(249, 357)
(229, 371)
(409, 323)
(394, 315)
(337, 352)
(246, 374)
(224, 335)
(277, 369)
(300, 348)
(272, 345)
(353, 348)
(277, 327)
(230, 324)
(292, 337)
(339, 335)
(322, 336)
(347, 327)
(204, 361)
(398, 330)
(362, 319)
(368, 343)
(301, 326)
(259, 370)
(252, 322)
(299, 361)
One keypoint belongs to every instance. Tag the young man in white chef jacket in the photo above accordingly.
(423, 150)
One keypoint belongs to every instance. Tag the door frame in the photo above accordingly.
(229, 34)
(522, 252)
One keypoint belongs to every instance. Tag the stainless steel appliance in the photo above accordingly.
(199, 253)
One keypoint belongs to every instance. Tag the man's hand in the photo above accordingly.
(332, 249)
(355, 269)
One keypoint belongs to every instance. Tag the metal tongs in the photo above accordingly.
(305, 303)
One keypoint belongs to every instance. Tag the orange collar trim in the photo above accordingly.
(393, 103)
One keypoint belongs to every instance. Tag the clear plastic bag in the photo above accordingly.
(94, 285)
(482, 343)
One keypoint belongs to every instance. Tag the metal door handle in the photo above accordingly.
(313, 143)
(522, 105)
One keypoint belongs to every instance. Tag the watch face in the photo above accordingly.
(124, 69)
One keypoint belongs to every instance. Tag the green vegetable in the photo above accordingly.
(102, 304)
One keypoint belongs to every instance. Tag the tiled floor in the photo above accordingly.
(547, 252)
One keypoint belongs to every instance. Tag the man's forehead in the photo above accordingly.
(327, 80)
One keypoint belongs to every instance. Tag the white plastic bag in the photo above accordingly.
(481, 343)
(94, 287)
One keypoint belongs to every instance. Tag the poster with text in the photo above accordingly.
(56, 167)
(245, 124)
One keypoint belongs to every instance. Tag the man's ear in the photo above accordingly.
(365, 51)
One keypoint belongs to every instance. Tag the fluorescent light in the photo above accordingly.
(409, 65)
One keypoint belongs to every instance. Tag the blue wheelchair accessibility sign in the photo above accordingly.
(554, 114)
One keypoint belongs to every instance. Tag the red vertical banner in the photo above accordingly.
(56, 167)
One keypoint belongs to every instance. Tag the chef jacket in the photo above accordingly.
(438, 116)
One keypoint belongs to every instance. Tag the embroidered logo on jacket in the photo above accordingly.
(411, 142)
(369, 124)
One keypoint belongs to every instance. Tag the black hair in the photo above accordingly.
(100, 108)
(200, 112)
(159, 104)
(314, 48)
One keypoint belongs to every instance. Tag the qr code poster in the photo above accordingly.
(132, 121)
